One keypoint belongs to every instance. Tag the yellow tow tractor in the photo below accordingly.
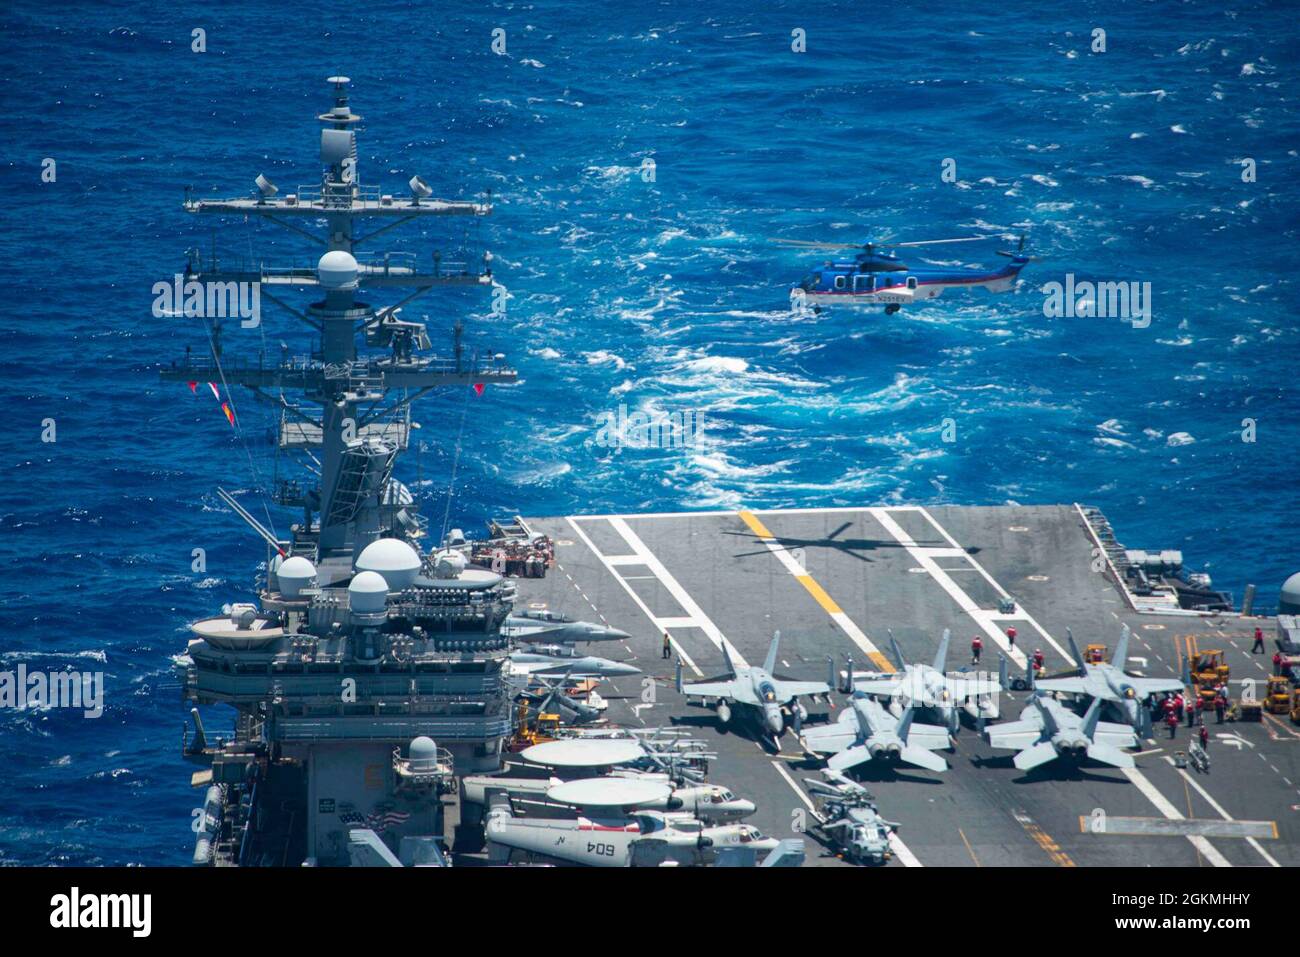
(1209, 670)
(533, 729)
(1277, 699)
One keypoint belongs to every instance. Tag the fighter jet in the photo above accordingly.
(755, 688)
(563, 660)
(866, 730)
(550, 628)
(1109, 682)
(1048, 730)
(928, 687)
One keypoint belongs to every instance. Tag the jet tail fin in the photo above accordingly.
(1004, 681)
(899, 663)
(680, 687)
(942, 654)
(1049, 723)
(905, 723)
(769, 663)
(1091, 717)
(1121, 650)
(726, 657)
(1074, 651)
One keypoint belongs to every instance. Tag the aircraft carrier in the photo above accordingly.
(836, 581)
(379, 663)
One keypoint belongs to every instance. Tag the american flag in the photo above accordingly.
(378, 821)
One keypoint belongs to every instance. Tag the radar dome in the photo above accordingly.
(295, 574)
(423, 753)
(368, 593)
(392, 558)
(1289, 601)
(337, 269)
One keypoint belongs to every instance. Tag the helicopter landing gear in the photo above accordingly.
(892, 308)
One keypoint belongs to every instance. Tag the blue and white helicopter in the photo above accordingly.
(875, 278)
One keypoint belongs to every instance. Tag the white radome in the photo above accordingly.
(368, 593)
(337, 269)
(294, 574)
(392, 558)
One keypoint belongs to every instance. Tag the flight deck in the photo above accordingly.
(836, 582)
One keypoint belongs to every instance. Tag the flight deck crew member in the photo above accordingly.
(1277, 662)
(1205, 737)
(1038, 659)
(668, 646)
(1011, 637)
(1191, 711)
(1172, 721)
(1258, 648)
(1219, 705)
(1200, 709)
(976, 646)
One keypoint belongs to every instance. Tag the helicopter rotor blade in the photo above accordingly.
(811, 244)
(934, 242)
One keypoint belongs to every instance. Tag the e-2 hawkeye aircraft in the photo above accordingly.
(875, 278)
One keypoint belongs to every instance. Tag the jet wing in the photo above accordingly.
(830, 738)
(739, 691)
(1074, 684)
(969, 689)
(881, 687)
(1149, 686)
(785, 690)
(1013, 735)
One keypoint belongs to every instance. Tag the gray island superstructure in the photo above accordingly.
(370, 669)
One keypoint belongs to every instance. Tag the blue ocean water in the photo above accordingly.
(662, 295)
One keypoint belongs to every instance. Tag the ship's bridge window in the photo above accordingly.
(839, 282)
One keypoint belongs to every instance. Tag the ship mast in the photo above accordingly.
(355, 426)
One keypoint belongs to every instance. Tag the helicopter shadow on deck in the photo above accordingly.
(853, 547)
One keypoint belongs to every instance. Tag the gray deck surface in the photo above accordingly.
(831, 580)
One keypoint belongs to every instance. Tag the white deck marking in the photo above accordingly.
(695, 616)
(1208, 850)
(1224, 814)
(659, 623)
(693, 610)
(924, 557)
(829, 605)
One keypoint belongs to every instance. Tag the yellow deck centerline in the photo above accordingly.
(810, 584)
